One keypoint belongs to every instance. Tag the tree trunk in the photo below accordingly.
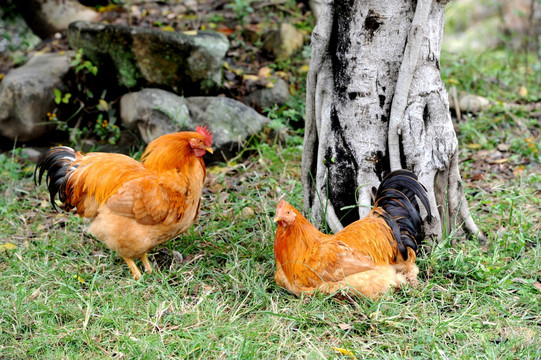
(376, 103)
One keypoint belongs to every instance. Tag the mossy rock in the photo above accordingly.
(185, 62)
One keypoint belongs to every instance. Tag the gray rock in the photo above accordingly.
(31, 154)
(473, 103)
(155, 112)
(266, 97)
(230, 121)
(186, 62)
(46, 17)
(21, 38)
(27, 94)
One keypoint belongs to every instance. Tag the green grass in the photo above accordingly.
(496, 74)
(65, 295)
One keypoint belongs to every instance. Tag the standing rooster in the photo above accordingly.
(370, 255)
(133, 206)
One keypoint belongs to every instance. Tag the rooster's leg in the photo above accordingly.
(146, 263)
(134, 269)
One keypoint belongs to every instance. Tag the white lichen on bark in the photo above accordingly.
(375, 103)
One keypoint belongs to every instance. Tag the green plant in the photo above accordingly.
(241, 8)
(529, 147)
(107, 130)
(59, 98)
(82, 64)
(87, 115)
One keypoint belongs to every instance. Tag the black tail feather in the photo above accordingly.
(397, 195)
(57, 163)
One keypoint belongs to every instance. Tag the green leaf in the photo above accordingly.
(57, 96)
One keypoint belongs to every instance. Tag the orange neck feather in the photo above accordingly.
(293, 241)
(171, 151)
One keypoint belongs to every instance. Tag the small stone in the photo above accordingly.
(276, 94)
(247, 212)
(222, 198)
(473, 103)
(31, 154)
(284, 41)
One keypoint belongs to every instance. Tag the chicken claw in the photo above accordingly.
(146, 264)
(134, 269)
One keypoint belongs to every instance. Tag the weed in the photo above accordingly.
(241, 8)
(107, 131)
(81, 64)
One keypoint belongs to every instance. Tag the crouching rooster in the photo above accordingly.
(369, 256)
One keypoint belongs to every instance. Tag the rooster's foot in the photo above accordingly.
(146, 263)
(134, 269)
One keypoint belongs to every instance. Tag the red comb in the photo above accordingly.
(203, 130)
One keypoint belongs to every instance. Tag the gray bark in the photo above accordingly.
(376, 103)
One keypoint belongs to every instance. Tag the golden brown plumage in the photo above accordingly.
(133, 206)
(370, 255)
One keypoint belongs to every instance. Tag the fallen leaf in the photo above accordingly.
(169, 28)
(474, 146)
(497, 161)
(7, 246)
(190, 17)
(282, 74)
(250, 77)
(238, 72)
(109, 7)
(478, 176)
(226, 31)
(345, 327)
(304, 69)
(222, 198)
(264, 72)
(518, 170)
(292, 89)
(103, 105)
(135, 11)
(34, 294)
(522, 91)
(177, 257)
(344, 351)
(537, 285)
(190, 32)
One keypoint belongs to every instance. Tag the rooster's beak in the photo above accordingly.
(209, 149)
(277, 218)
